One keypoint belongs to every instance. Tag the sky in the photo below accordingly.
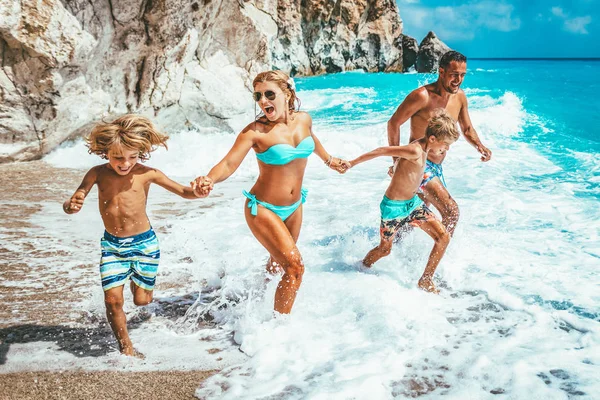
(508, 28)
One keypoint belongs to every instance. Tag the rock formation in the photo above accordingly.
(323, 36)
(410, 49)
(430, 51)
(65, 64)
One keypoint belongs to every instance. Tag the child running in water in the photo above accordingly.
(401, 208)
(129, 245)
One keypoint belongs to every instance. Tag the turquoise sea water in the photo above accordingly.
(518, 316)
(560, 96)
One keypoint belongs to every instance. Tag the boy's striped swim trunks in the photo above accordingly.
(124, 257)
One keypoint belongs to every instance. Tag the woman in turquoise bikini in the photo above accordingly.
(282, 139)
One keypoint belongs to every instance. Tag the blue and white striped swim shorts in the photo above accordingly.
(134, 257)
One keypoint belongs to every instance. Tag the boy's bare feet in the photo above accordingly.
(132, 352)
(138, 354)
(426, 283)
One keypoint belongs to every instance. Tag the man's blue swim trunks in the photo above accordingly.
(432, 170)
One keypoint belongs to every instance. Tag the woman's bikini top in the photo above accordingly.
(283, 153)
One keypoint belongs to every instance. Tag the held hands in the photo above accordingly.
(74, 204)
(392, 168)
(486, 153)
(338, 164)
(202, 186)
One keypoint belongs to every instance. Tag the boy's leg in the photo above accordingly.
(384, 249)
(441, 237)
(113, 300)
(144, 269)
(387, 232)
(141, 296)
(435, 193)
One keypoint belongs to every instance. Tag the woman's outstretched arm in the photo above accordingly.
(332, 162)
(202, 185)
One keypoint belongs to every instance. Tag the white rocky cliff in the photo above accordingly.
(66, 64)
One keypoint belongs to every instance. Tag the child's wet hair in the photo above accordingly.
(442, 126)
(284, 82)
(130, 131)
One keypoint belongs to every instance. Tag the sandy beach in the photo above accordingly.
(84, 385)
(47, 312)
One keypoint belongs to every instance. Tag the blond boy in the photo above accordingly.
(401, 208)
(129, 245)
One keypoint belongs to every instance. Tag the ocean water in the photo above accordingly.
(518, 315)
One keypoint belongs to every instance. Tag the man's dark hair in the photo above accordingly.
(450, 56)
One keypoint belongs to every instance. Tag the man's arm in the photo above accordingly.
(469, 131)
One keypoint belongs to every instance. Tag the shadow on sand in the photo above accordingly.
(96, 340)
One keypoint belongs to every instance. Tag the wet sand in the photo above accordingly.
(101, 385)
(47, 312)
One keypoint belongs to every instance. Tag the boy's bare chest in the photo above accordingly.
(122, 189)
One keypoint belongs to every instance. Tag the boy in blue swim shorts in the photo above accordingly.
(129, 245)
(401, 207)
(134, 257)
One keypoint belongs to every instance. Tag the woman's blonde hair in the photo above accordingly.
(284, 82)
(130, 131)
(442, 126)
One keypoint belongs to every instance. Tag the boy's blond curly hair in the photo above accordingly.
(442, 126)
(130, 131)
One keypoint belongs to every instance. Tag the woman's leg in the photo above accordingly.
(275, 236)
(293, 223)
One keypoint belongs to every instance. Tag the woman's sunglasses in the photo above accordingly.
(269, 94)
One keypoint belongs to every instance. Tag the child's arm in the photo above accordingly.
(164, 181)
(410, 152)
(74, 204)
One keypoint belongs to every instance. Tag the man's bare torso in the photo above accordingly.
(419, 121)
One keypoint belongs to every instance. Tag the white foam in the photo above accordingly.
(345, 97)
(472, 91)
